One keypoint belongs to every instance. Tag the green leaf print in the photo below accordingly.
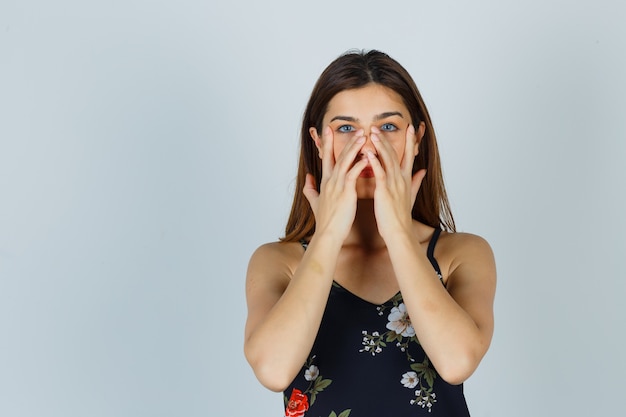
(317, 383)
(344, 413)
(419, 367)
(320, 384)
(393, 336)
(424, 370)
(430, 376)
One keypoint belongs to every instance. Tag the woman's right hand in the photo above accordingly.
(334, 207)
(287, 290)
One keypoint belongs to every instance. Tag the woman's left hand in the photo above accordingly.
(396, 186)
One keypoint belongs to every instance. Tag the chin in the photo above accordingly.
(365, 192)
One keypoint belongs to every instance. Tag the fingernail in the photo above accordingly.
(412, 129)
(375, 129)
(375, 138)
(361, 139)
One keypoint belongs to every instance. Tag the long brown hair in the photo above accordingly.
(356, 69)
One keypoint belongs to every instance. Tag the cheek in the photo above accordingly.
(399, 148)
(397, 142)
(400, 153)
(338, 148)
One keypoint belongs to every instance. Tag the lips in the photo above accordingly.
(367, 172)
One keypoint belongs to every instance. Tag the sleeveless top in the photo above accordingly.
(366, 361)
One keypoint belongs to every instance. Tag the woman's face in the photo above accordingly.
(361, 109)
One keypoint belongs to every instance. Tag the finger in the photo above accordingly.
(354, 172)
(328, 157)
(386, 153)
(310, 191)
(379, 172)
(416, 183)
(350, 151)
(409, 151)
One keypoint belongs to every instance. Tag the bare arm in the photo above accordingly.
(286, 304)
(284, 309)
(454, 326)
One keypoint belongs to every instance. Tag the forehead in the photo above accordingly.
(366, 102)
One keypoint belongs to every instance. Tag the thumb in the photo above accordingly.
(310, 191)
(416, 183)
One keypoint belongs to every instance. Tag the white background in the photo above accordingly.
(148, 147)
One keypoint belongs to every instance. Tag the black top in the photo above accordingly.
(367, 362)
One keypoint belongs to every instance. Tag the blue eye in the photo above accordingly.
(388, 127)
(345, 129)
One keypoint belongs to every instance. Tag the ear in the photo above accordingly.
(419, 134)
(317, 139)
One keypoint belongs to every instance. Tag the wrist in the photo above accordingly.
(328, 239)
(401, 239)
(400, 231)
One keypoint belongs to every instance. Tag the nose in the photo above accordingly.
(368, 146)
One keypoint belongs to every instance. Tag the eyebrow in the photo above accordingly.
(377, 117)
(388, 114)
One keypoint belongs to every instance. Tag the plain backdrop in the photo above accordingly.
(148, 147)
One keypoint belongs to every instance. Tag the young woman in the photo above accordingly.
(372, 304)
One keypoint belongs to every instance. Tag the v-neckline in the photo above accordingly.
(335, 283)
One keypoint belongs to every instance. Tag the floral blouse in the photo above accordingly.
(367, 362)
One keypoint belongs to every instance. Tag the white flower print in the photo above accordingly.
(424, 400)
(424, 395)
(410, 379)
(420, 379)
(312, 373)
(400, 322)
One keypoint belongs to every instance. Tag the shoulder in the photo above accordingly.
(275, 258)
(269, 273)
(460, 242)
(466, 252)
